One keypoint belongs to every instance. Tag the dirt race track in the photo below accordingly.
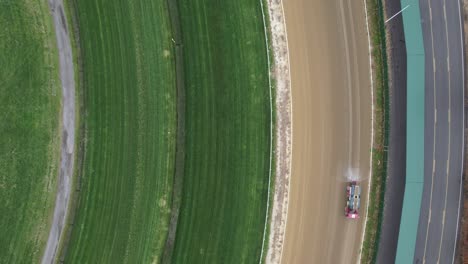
(331, 98)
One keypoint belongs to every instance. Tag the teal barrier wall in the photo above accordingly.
(414, 132)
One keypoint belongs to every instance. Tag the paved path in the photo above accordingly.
(396, 166)
(68, 130)
(438, 223)
(331, 101)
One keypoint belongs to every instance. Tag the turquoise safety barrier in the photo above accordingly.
(414, 131)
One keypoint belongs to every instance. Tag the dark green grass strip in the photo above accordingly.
(30, 96)
(381, 117)
(180, 138)
(129, 150)
(270, 53)
(227, 158)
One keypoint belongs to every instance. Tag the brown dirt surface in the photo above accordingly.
(331, 106)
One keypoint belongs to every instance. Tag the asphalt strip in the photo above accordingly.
(68, 130)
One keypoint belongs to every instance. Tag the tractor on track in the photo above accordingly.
(353, 195)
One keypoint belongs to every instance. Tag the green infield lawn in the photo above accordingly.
(130, 119)
(224, 195)
(30, 97)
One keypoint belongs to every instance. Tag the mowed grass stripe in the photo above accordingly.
(227, 133)
(30, 97)
(129, 82)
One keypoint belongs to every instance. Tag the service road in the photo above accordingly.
(439, 217)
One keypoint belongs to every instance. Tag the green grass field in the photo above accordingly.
(30, 97)
(227, 162)
(130, 125)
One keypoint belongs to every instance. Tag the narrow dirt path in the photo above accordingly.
(68, 130)
(283, 129)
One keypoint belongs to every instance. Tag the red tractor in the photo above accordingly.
(353, 195)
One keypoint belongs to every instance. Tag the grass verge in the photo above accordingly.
(381, 128)
(180, 137)
(30, 98)
(272, 86)
(128, 85)
(227, 140)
